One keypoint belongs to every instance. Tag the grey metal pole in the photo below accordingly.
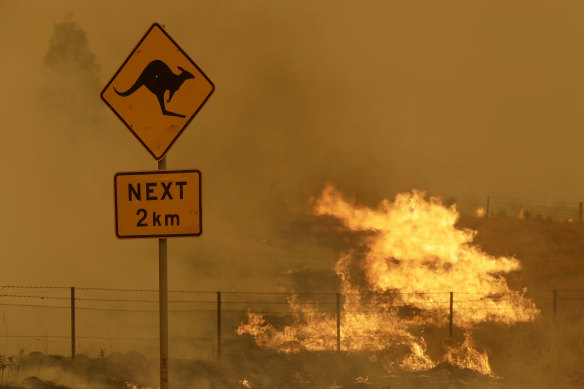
(218, 325)
(72, 323)
(163, 301)
(338, 322)
(451, 311)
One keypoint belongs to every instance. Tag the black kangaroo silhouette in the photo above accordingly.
(158, 78)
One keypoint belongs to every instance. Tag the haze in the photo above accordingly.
(377, 98)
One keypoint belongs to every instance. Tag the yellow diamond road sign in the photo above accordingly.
(157, 91)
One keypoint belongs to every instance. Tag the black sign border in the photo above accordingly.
(124, 64)
(158, 172)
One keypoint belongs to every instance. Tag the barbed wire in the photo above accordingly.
(389, 292)
(103, 337)
(364, 308)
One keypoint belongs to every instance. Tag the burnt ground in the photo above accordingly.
(523, 363)
(547, 353)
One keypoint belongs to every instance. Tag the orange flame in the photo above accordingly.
(415, 255)
(480, 212)
(131, 385)
(467, 357)
(245, 383)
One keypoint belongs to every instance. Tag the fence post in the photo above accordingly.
(451, 311)
(338, 322)
(488, 201)
(580, 213)
(72, 323)
(218, 325)
(555, 306)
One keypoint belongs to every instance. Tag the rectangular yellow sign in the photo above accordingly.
(158, 204)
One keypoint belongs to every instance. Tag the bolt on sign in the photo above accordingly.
(157, 91)
(158, 204)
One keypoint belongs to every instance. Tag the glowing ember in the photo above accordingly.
(131, 385)
(414, 256)
(522, 214)
(481, 212)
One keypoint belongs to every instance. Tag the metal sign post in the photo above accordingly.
(163, 301)
(156, 93)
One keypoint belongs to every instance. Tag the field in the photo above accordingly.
(547, 352)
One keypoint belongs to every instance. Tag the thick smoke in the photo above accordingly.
(449, 98)
(70, 79)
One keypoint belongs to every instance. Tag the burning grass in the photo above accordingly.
(504, 336)
(413, 254)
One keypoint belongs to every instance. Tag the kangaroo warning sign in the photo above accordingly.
(158, 204)
(157, 91)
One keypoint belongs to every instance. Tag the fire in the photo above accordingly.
(480, 212)
(131, 385)
(417, 360)
(467, 357)
(522, 214)
(414, 256)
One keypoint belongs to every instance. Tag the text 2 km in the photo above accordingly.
(168, 219)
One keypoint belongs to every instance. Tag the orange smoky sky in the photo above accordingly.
(376, 97)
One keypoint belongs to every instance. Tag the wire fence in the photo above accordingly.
(202, 324)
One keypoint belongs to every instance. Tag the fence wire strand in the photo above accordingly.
(117, 318)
